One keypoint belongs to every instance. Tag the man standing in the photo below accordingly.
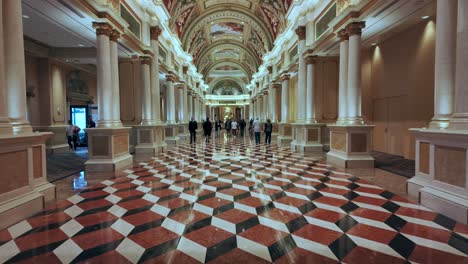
(257, 129)
(207, 129)
(193, 130)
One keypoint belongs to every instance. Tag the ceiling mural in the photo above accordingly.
(215, 32)
(227, 87)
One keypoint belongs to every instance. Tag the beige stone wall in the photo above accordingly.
(326, 85)
(130, 102)
(398, 87)
(292, 103)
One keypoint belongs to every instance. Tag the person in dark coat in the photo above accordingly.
(242, 126)
(268, 130)
(207, 129)
(217, 127)
(193, 126)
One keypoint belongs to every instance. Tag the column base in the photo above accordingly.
(183, 132)
(24, 177)
(284, 135)
(108, 149)
(350, 146)
(441, 181)
(58, 142)
(172, 137)
(150, 139)
(307, 137)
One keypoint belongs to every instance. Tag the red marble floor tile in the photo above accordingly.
(307, 183)
(299, 255)
(258, 177)
(189, 217)
(126, 185)
(267, 191)
(134, 204)
(177, 178)
(5, 236)
(308, 174)
(99, 237)
(416, 213)
(235, 216)
(286, 176)
(143, 218)
(257, 234)
(200, 192)
(423, 254)
(109, 257)
(246, 183)
(58, 205)
(461, 228)
(369, 190)
(370, 200)
(233, 192)
(426, 232)
(371, 214)
(165, 193)
(129, 193)
(253, 202)
(94, 204)
(40, 239)
(280, 215)
(318, 234)
(153, 237)
(174, 203)
(372, 233)
(156, 184)
(337, 182)
(98, 193)
(238, 256)
(332, 190)
(301, 191)
(214, 202)
(94, 219)
(49, 258)
(208, 236)
(325, 215)
(364, 255)
(397, 198)
(291, 201)
(48, 219)
(187, 185)
(174, 257)
(330, 201)
(120, 180)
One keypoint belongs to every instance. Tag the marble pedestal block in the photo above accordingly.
(172, 134)
(307, 137)
(441, 180)
(350, 146)
(24, 189)
(150, 139)
(58, 141)
(108, 149)
(284, 135)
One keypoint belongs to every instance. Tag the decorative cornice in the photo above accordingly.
(310, 59)
(148, 52)
(102, 28)
(276, 85)
(301, 32)
(171, 77)
(155, 32)
(145, 60)
(285, 77)
(355, 28)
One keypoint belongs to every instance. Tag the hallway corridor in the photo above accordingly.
(235, 202)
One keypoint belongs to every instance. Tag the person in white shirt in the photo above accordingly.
(257, 129)
(71, 133)
(234, 127)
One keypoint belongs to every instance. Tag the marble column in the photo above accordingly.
(186, 109)
(145, 62)
(271, 102)
(5, 126)
(354, 30)
(266, 106)
(343, 78)
(189, 105)
(180, 106)
(445, 58)
(310, 91)
(171, 114)
(260, 106)
(155, 32)
(114, 60)
(284, 98)
(15, 69)
(301, 84)
(459, 119)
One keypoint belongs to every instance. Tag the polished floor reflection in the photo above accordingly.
(233, 202)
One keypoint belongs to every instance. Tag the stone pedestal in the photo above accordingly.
(284, 135)
(350, 146)
(172, 134)
(183, 132)
(307, 137)
(441, 180)
(24, 188)
(275, 132)
(108, 149)
(57, 143)
(150, 139)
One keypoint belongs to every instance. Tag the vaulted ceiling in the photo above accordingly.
(227, 38)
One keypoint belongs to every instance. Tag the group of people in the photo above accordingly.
(72, 133)
(232, 127)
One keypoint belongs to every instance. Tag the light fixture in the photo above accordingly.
(424, 17)
(25, 16)
(374, 44)
(80, 45)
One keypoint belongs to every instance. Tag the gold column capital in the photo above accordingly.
(155, 32)
(301, 32)
(355, 28)
(145, 60)
(102, 28)
(285, 77)
(115, 35)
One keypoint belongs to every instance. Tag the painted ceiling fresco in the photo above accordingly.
(236, 31)
(227, 87)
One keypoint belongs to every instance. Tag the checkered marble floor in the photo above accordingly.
(235, 203)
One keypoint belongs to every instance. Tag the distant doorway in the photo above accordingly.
(78, 116)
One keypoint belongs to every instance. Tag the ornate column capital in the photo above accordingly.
(343, 35)
(310, 59)
(114, 35)
(270, 69)
(184, 69)
(145, 60)
(155, 32)
(102, 28)
(301, 32)
(265, 92)
(171, 77)
(355, 28)
(276, 85)
(285, 77)
(179, 86)
(148, 53)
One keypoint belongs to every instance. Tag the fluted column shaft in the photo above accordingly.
(114, 54)
(155, 32)
(180, 106)
(284, 98)
(145, 63)
(266, 106)
(15, 69)
(189, 105)
(171, 115)
(343, 78)
(354, 73)
(5, 126)
(310, 91)
(301, 85)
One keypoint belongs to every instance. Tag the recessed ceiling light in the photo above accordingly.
(424, 17)
(25, 16)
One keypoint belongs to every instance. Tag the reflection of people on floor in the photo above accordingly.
(193, 126)
(207, 129)
(72, 135)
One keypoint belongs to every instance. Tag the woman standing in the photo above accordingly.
(268, 130)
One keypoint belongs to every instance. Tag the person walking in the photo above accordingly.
(234, 125)
(193, 126)
(242, 125)
(217, 127)
(268, 130)
(257, 130)
(71, 133)
(251, 127)
(228, 127)
(207, 127)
